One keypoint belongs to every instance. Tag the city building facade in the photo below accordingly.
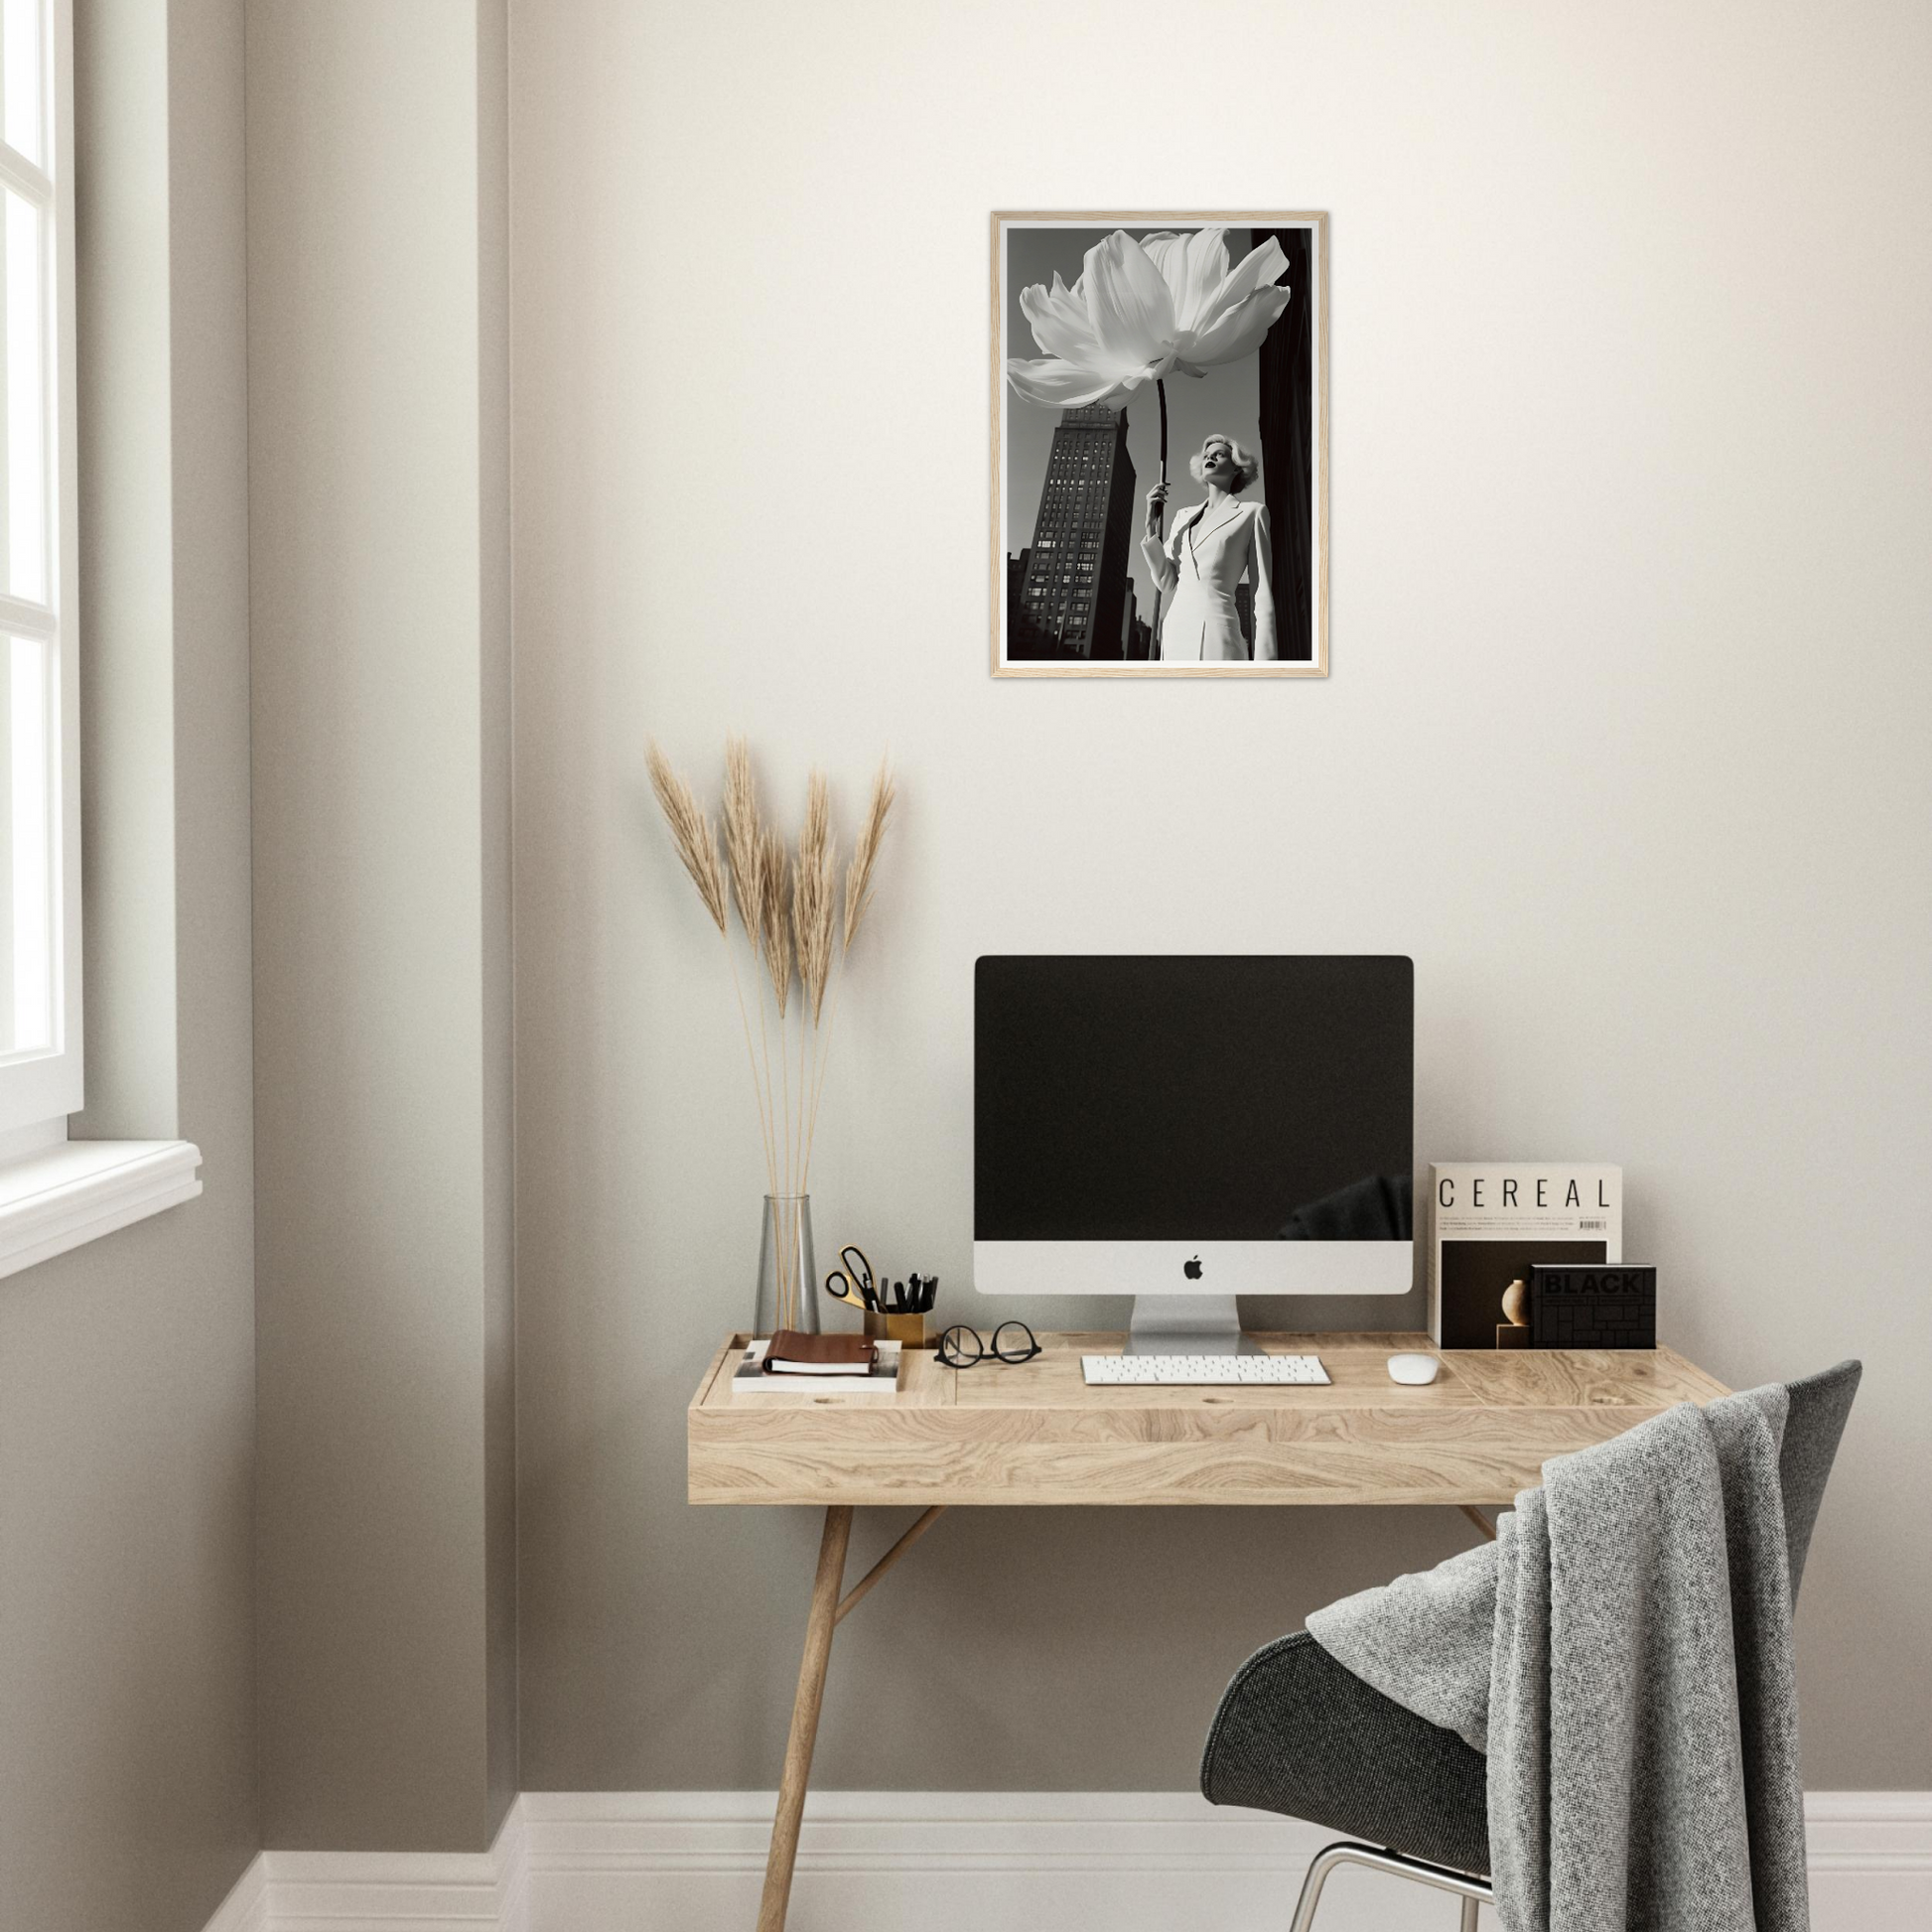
(1285, 391)
(1075, 600)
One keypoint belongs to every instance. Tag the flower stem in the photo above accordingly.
(764, 1124)
(821, 1055)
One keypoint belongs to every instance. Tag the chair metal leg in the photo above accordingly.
(1473, 1892)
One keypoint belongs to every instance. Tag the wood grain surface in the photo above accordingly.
(1034, 1433)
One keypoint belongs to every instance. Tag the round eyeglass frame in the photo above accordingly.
(952, 1352)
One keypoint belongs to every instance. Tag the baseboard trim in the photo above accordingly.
(384, 1891)
(245, 1909)
(728, 1831)
(1870, 1833)
(946, 1861)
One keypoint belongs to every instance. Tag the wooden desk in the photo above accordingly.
(1033, 1434)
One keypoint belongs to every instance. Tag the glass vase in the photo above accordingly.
(787, 1271)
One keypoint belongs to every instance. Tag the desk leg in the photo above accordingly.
(804, 1719)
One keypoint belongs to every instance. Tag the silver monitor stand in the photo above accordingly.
(1187, 1324)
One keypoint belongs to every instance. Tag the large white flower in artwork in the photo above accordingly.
(1145, 309)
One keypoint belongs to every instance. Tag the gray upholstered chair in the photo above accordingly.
(1298, 1733)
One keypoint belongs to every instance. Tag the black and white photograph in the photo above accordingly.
(1159, 445)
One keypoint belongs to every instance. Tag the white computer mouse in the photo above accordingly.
(1414, 1368)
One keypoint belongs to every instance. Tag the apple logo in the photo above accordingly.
(1192, 1269)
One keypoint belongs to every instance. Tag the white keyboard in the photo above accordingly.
(1201, 1372)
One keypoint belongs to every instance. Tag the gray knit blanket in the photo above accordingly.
(1622, 1653)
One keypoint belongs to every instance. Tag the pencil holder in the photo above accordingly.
(906, 1328)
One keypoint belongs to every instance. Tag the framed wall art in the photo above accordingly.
(1159, 445)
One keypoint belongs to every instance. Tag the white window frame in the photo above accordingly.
(56, 1194)
(39, 1089)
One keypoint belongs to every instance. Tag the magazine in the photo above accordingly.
(1490, 1221)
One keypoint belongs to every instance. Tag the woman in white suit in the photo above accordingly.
(1203, 560)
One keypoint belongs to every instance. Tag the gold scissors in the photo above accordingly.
(851, 1282)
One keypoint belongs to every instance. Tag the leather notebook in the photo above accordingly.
(793, 1353)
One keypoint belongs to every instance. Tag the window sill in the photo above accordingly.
(79, 1190)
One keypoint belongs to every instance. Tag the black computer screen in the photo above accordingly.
(1211, 1098)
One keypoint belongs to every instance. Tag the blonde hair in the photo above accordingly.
(1247, 465)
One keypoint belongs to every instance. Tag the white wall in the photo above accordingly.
(1624, 743)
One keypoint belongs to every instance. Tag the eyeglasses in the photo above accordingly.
(1013, 1341)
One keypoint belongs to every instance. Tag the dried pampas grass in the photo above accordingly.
(774, 917)
(814, 896)
(691, 832)
(743, 846)
(865, 853)
(787, 909)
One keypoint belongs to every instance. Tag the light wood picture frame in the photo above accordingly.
(1121, 336)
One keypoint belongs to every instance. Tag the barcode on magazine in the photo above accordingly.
(1600, 1225)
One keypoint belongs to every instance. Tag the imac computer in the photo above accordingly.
(1187, 1129)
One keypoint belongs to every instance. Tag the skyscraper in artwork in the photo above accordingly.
(1075, 590)
(1024, 637)
(1285, 393)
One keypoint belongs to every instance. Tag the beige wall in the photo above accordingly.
(494, 853)
(1625, 743)
(127, 1774)
(379, 508)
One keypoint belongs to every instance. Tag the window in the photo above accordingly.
(55, 1193)
(40, 859)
